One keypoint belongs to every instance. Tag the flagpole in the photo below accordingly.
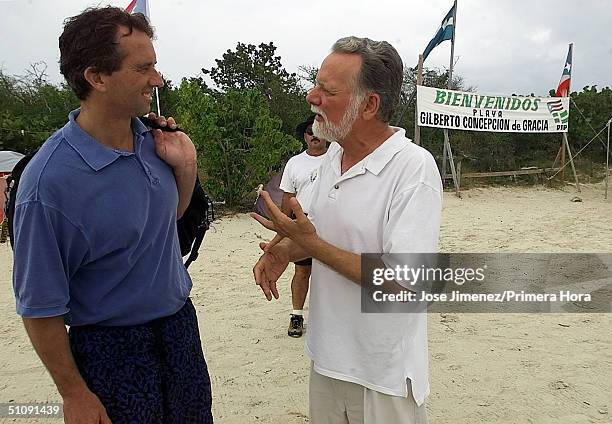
(447, 146)
(419, 81)
(452, 56)
(571, 159)
(565, 141)
(157, 98)
(448, 85)
(563, 136)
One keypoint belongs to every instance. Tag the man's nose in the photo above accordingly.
(157, 80)
(313, 97)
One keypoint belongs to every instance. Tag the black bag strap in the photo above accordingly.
(12, 183)
(200, 232)
(193, 255)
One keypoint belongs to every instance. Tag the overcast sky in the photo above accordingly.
(502, 46)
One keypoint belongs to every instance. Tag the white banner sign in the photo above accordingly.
(458, 110)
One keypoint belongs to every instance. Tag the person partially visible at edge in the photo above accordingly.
(375, 191)
(96, 244)
(297, 182)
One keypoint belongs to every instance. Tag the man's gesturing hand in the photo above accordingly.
(300, 230)
(277, 253)
(270, 267)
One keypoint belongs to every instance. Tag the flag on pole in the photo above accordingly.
(564, 85)
(139, 6)
(446, 32)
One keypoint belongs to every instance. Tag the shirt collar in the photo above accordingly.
(376, 161)
(94, 153)
(379, 158)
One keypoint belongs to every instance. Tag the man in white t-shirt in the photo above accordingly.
(375, 192)
(297, 182)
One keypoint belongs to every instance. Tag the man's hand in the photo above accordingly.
(50, 340)
(276, 257)
(84, 407)
(270, 267)
(174, 148)
(300, 230)
(177, 150)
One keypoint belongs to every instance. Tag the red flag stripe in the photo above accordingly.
(131, 6)
(562, 90)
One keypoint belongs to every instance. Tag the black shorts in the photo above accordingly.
(304, 262)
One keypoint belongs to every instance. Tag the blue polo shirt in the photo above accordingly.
(95, 232)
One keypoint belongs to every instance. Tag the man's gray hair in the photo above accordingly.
(381, 71)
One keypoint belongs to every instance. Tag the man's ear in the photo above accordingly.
(372, 105)
(96, 79)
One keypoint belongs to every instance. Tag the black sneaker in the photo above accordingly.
(296, 326)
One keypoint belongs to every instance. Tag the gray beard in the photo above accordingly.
(330, 132)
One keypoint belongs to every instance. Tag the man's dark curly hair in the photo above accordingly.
(91, 40)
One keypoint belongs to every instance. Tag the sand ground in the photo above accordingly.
(484, 368)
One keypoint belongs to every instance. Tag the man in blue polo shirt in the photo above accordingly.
(96, 246)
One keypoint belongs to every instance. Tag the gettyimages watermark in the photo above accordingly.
(501, 282)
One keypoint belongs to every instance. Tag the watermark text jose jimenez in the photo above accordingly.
(505, 282)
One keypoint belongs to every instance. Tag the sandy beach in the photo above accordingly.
(484, 368)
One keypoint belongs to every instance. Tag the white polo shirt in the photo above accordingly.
(389, 202)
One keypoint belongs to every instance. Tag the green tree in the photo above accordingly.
(240, 143)
(259, 68)
(31, 108)
(590, 110)
(308, 74)
(168, 99)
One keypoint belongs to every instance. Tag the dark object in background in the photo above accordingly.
(273, 188)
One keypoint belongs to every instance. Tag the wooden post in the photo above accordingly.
(451, 163)
(444, 158)
(459, 171)
(569, 154)
(419, 81)
(562, 166)
(608, 158)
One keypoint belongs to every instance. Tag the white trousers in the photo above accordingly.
(340, 402)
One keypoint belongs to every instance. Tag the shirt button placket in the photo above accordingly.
(334, 191)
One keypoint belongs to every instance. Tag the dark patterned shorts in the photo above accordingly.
(150, 373)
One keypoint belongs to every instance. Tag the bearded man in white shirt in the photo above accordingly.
(375, 192)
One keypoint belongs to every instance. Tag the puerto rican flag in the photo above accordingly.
(139, 6)
(564, 85)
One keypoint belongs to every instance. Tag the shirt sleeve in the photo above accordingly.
(48, 251)
(286, 183)
(414, 221)
(413, 229)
